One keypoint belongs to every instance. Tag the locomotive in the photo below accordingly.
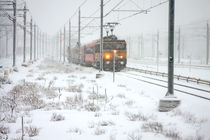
(113, 49)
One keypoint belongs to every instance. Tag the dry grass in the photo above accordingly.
(136, 116)
(32, 131)
(99, 131)
(92, 107)
(75, 130)
(135, 135)
(154, 127)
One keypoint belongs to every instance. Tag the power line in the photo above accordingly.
(148, 9)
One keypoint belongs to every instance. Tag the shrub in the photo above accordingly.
(155, 127)
(4, 130)
(99, 131)
(32, 131)
(136, 117)
(136, 135)
(106, 123)
(75, 130)
(92, 107)
(172, 133)
(57, 117)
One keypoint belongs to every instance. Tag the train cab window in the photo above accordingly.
(88, 50)
(120, 46)
(114, 46)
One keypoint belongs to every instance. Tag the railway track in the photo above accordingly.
(162, 83)
(178, 77)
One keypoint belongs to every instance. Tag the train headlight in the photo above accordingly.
(107, 56)
(107, 62)
(121, 62)
(121, 57)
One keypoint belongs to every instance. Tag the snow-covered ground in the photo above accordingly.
(66, 101)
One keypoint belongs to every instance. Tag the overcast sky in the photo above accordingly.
(52, 15)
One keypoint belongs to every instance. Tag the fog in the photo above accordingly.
(51, 16)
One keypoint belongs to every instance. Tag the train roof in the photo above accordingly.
(111, 38)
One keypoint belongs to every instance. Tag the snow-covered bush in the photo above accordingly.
(51, 84)
(49, 93)
(129, 102)
(173, 134)
(91, 125)
(196, 137)
(97, 114)
(75, 88)
(155, 127)
(4, 130)
(75, 130)
(136, 116)
(32, 131)
(40, 78)
(11, 100)
(92, 107)
(53, 106)
(112, 137)
(57, 117)
(99, 131)
(75, 101)
(106, 123)
(120, 95)
(135, 135)
(188, 117)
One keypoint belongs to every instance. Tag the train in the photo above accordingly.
(114, 52)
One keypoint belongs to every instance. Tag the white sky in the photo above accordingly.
(51, 15)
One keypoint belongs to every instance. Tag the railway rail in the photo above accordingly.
(186, 91)
(178, 77)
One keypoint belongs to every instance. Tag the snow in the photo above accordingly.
(125, 106)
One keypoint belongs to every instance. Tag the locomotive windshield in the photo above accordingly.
(88, 50)
(115, 46)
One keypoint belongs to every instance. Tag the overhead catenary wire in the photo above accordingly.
(154, 6)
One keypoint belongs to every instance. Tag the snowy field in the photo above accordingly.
(66, 101)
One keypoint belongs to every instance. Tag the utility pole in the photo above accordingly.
(171, 49)
(129, 47)
(31, 38)
(24, 36)
(64, 43)
(170, 102)
(69, 52)
(142, 46)
(60, 40)
(153, 48)
(179, 45)
(37, 47)
(139, 48)
(43, 45)
(46, 45)
(14, 31)
(79, 22)
(207, 44)
(35, 42)
(101, 40)
(157, 51)
(7, 39)
(40, 43)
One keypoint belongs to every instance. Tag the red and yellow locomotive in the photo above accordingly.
(89, 54)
